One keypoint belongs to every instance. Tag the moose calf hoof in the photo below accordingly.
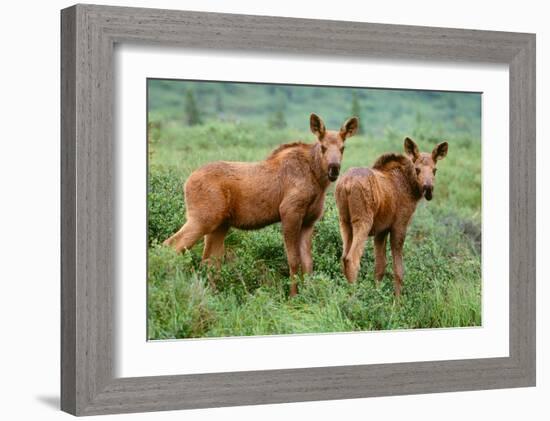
(343, 265)
(397, 294)
(350, 270)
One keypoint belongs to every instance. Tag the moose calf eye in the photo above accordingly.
(417, 171)
(323, 149)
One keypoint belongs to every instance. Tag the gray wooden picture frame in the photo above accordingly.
(88, 35)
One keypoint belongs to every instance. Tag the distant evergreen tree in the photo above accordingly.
(356, 109)
(192, 114)
(219, 102)
(231, 88)
(418, 118)
(277, 120)
(288, 90)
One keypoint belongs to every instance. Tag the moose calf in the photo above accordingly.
(289, 186)
(381, 200)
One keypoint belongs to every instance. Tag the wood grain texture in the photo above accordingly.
(68, 211)
(88, 199)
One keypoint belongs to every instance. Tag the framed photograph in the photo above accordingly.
(255, 211)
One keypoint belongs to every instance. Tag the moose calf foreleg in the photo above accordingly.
(306, 260)
(380, 256)
(291, 225)
(397, 240)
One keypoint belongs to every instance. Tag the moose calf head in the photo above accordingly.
(424, 164)
(332, 143)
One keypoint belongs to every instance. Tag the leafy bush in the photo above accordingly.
(165, 205)
(182, 307)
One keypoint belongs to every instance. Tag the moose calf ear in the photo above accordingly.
(317, 126)
(440, 151)
(349, 128)
(411, 149)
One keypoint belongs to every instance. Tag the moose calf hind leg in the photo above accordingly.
(352, 261)
(191, 232)
(347, 237)
(214, 246)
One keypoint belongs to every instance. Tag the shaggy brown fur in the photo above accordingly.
(289, 186)
(382, 200)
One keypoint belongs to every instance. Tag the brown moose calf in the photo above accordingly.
(289, 186)
(381, 200)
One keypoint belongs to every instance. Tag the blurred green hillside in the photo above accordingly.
(380, 109)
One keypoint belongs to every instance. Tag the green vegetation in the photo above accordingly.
(442, 254)
(192, 113)
(356, 110)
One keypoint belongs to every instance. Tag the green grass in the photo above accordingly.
(442, 254)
